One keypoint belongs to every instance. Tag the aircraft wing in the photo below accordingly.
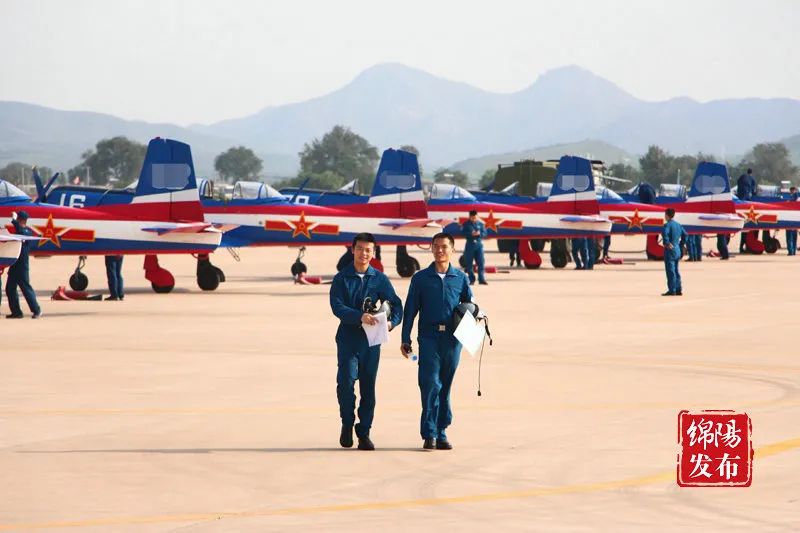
(410, 223)
(719, 216)
(182, 227)
(584, 218)
(224, 228)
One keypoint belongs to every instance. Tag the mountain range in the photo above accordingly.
(392, 104)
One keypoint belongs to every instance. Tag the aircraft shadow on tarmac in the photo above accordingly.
(219, 450)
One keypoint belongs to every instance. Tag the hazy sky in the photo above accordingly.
(207, 60)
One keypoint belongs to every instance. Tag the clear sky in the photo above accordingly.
(188, 61)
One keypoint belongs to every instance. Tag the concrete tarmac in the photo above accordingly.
(210, 412)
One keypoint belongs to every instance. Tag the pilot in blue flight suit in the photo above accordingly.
(19, 273)
(355, 283)
(474, 231)
(114, 275)
(579, 252)
(434, 293)
(673, 236)
(791, 234)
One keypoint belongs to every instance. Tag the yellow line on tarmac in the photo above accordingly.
(668, 475)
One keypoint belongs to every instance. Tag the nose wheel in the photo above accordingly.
(78, 281)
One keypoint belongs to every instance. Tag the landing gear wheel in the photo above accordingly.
(406, 265)
(162, 289)
(208, 276)
(771, 244)
(298, 267)
(558, 253)
(78, 281)
(346, 259)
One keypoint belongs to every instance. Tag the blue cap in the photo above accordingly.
(22, 215)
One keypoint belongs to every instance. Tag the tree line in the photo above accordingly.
(341, 155)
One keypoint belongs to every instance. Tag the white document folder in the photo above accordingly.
(379, 333)
(470, 334)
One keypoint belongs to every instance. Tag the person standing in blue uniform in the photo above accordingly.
(591, 253)
(579, 252)
(350, 289)
(434, 293)
(474, 232)
(674, 237)
(606, 246)
(746, 187)
(722, 246)
(114, 275)
(791, 234)
(19, 273)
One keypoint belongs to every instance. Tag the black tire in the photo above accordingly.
(298, 267)
(346, 259)
(220, 274)
(78, 281)
(537, 245)
(208, 279)
(771, 245)
(558, 253)
(162, 289)
(406, 266)
(507, 246)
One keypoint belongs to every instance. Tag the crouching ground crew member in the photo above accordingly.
(354, 284)
(434, 293)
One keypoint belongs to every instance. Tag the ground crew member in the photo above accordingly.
(745, 189)
(356, 359)
(434, 293)
(474, 231)
(674, 236)
(591, 253)
(579, 251)
(114, 275)
(722, 246)
(791, 234)
(692, 245)
(19, 273)
(606, 246)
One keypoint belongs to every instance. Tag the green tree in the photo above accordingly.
(19, 173)
(341, 152)
(117, 159)
(625, 171)
(446, 175)
(771, 163)
(487, 178)
(238, 163)
(656, 165)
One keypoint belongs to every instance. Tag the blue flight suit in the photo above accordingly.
(19, 276)
(435, 298)
(674, 234)
(791, 234)
(722, 245)
(579, 252)
(591, 253)
(114, 275)
(745, 189)
(692, 246)
(473, 250)
(606, 245)
(356, 359)
(698, 247)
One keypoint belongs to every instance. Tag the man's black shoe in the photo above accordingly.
(483, 282)
(364, 443)
(443, 444)
(668, 294)
(111, 298)
(679, 293)
(37, 315)
(14, 316)
(346, 438)
(429, 444)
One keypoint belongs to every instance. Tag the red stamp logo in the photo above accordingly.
(716, 449)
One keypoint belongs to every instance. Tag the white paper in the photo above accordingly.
(470, 334)
(379, 333)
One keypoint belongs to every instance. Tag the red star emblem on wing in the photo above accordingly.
(635, 221)
(491, 222)
(50, 232)
(751, 215)
(301, 227)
